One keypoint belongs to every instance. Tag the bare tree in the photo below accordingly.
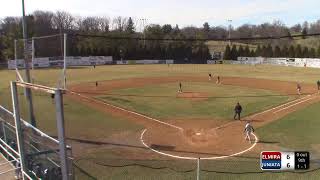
(43, 22)
(120, 23)
(63, 21)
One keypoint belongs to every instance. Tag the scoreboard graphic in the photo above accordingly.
(276, 160)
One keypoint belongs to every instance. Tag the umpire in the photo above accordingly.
(237, 111)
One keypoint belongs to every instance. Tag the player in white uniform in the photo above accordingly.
(248, 130)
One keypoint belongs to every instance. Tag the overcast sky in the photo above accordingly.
(182, 12)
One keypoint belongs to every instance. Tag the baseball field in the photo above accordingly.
(130, 121)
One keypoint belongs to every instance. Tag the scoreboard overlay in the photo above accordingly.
(276, 160)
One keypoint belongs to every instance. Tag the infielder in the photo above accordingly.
(210, 76)
(248, 130)
(318, 84)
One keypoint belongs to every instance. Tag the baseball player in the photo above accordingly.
(180, 87)
(97, 84)
(248, 130)
(318, 84)
(299, 88)
(210, 76)
(237, 111)
(218, 80)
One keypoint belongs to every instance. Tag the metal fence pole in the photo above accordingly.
(198, 169)
(15, 53)
(61, 134)
(65, 61)
(16, 112)
(4, 134)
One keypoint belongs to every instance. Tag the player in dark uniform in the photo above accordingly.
(210, 76)
(180, 87)
(52, 97)
(237, 111)
(97, 84)
(318, 84)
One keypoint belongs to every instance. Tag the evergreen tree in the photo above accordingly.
(292, 53)
(252, 53)
(130, 26)
(277, 52)
(227, 53)
(269, 51)
(318, 52)
(298, 51)
(258, 51)
(247, 51)
(312, 53)
(285, 51)
(305, 52)
(240, 51)
(264, 52)
(234, 53)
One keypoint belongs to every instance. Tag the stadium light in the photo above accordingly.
(230, 21)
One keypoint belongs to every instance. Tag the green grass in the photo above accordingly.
(88, 74)
(160, 101)
(81, 121)
(298, 130)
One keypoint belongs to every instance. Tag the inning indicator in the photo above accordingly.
(274, 160)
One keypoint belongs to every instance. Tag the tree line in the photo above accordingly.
(232, 53)
(41, 23)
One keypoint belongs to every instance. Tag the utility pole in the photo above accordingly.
(230, 21)
(144, 21)
(27, 70)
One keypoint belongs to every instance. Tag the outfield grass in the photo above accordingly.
(297, 131)
(160, 101)
(88, 74)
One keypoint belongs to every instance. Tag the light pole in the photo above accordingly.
(144, 21)
(26, 62)
(229, 21)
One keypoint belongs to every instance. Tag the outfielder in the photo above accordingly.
(248, 130)
(299, 88)
(180, 87)
(318, 84)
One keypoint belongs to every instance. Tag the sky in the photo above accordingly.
(182, 12)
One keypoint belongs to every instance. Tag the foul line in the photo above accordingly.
(300, 99)
(293, 105)
(122, 109)
(195, 158)
(254, 115)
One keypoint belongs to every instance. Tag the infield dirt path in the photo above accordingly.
(201, 138)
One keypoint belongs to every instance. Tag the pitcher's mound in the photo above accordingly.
(197, 96)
